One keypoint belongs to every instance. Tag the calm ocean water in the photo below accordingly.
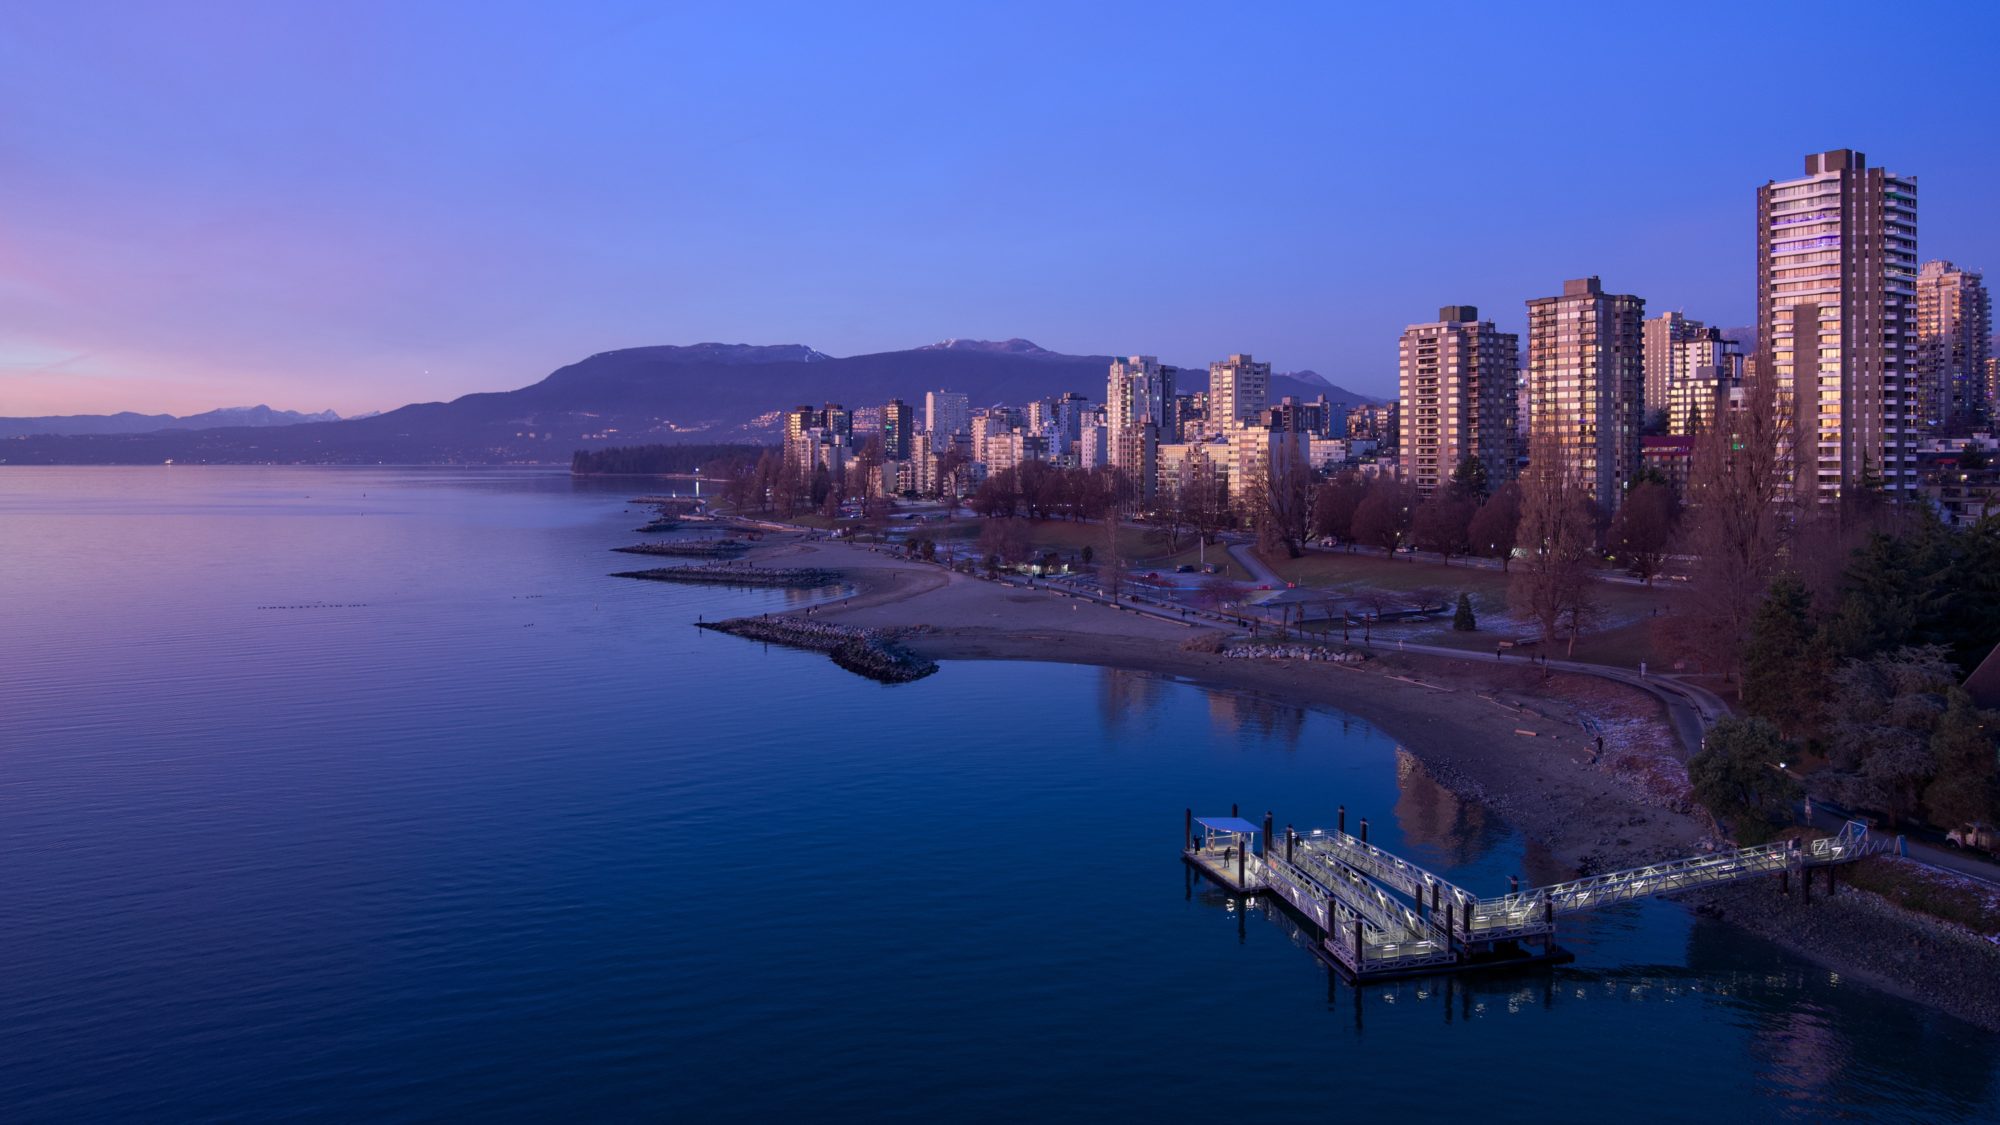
(364, 793)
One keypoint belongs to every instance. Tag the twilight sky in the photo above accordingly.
(365, 204)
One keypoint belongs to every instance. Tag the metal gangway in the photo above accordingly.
(1341, 885)
(1394, 872)
(1533, 911)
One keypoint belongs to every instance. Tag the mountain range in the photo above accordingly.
(126, 422)
(707, 393)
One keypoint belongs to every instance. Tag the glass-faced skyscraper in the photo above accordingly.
(1836, 315)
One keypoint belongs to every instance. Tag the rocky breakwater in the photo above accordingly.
(867, 652)
(1954, 966)
(796, 578)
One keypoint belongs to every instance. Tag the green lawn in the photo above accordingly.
(1625, 639)
(1348, 573)
(1370, 571)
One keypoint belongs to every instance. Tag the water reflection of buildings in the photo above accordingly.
(1122, 694)
(1449, 829)
(1243, 713)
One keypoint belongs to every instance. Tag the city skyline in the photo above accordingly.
(432, 230)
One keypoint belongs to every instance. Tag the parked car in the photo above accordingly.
(1980, 836)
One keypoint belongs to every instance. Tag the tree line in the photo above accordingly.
(1848, 629)
(656, 459)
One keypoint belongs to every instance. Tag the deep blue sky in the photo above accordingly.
(364, 204)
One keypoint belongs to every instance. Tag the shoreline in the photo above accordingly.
(1502, 734)
(1460, 717)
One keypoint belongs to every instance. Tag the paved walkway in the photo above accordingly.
(1931, 855)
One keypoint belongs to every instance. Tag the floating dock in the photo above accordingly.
(1376, 916)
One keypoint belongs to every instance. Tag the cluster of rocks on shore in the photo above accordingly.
(1293, 652)
(704, 549)
(801, 578)
(866, 652)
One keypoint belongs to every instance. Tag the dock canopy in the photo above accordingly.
(1226, 824)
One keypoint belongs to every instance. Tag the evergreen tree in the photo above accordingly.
(1468, 480)
(1737, 776)
(1881, 718)
(1896, 592)
(1784, 665)
(1463, 621)
(1965, 748)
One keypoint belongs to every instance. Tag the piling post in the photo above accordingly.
(1513, 884)
(1291, 838)
(1266, 842)
(1435, 888)
(1364, 829)
(1449, 923)
(1241, 850)
(1340, 822)
(1187, 837)
(1234, 810)
(1357, 946)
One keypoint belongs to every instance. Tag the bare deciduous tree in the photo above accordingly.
(1738, 496)
(1442, 524)
(1496, 524)
(1383, 517)
(1289, 488)
(1335, 504)
(1558, 536)
(1644, 528)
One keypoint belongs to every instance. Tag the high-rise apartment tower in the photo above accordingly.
(1140, 390)
(1456, 393)
(1587, 383)
(946, 413)
(1836, 314)
(1665, 358)
(898, 423)
(1954, 320)
(1239, 388)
